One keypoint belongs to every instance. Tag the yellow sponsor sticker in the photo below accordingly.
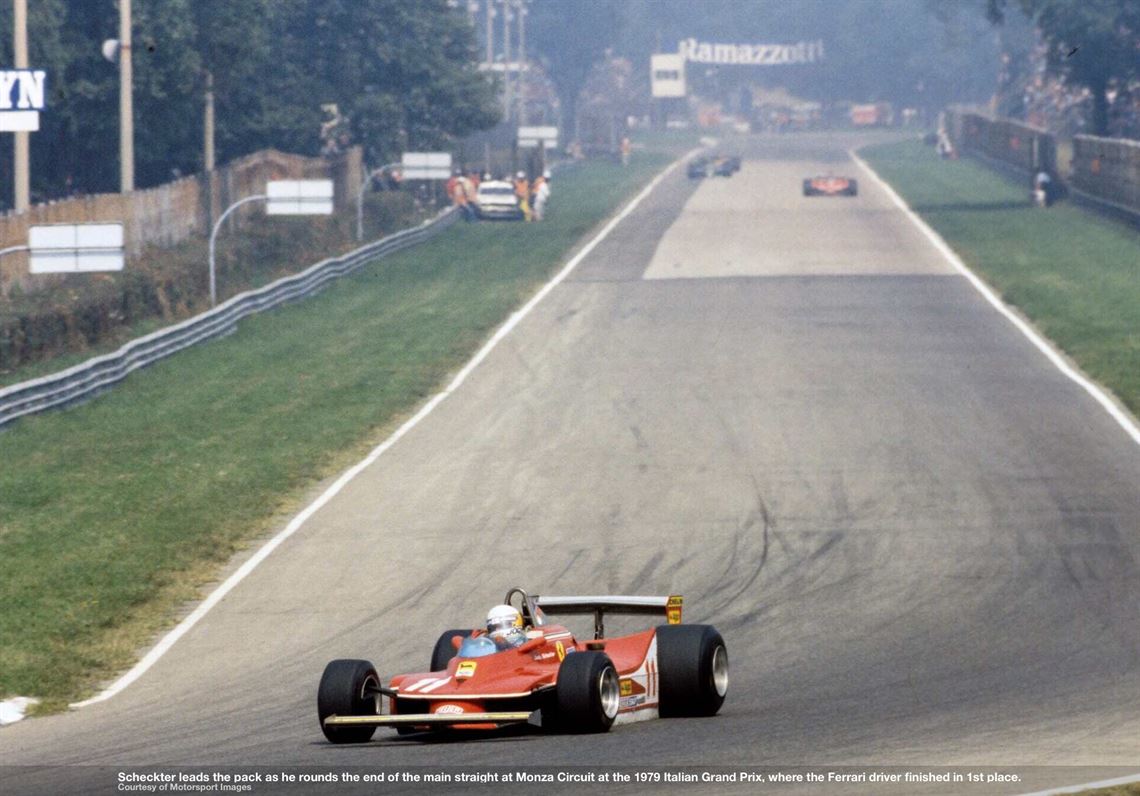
(626, 687)
(560, 650)
(673, 610)
(465, 669)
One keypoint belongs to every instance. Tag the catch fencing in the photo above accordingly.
(98, 374)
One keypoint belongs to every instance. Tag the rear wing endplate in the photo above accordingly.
(669, 606)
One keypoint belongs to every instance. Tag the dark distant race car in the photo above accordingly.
(553, 680)
(718, 165)
(830, 186)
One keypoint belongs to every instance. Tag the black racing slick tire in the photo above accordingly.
(348, 688)
(444, 650)
(693, 664)
(853, 188)
(588, 693)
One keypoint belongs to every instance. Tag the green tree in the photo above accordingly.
(1091, 42)
(569, 39)
(403, 73)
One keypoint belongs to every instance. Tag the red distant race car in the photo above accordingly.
(830, 186)
(550, 680)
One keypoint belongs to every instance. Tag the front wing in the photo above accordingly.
(436, 719)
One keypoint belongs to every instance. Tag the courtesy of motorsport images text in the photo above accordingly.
(504, 396)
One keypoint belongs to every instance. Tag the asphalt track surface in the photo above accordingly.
(918, 538)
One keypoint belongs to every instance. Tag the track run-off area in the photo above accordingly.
(918, 537)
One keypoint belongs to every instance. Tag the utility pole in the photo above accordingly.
(507, 57)
(490, 33)
(126, 111)
(21, 167)
(208, 144)
(522, 61)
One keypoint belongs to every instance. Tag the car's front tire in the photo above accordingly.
(445, 650)
(348, 688)
(693, 663)
(588, 693)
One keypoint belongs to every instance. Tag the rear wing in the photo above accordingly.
(669, 606)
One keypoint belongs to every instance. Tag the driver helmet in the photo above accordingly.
(505, 626)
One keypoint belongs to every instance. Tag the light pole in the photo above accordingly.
(21, 168)
(521, 83)
(490, 33)
(126, 112)
(214, 236)
(507, 58)
(360, 197)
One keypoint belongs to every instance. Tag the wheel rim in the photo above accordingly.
(371, 684)
(609, 692)
(720, 670)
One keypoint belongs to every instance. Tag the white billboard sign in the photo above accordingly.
(532, 136)
(22, 97)
(667, 74)
(299, 198)
(71, 248)
(426, 165)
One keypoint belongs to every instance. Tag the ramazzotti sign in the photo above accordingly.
(703, 52)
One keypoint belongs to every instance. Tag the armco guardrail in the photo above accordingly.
(1108, 170)
(88, 378)
(1014, 144)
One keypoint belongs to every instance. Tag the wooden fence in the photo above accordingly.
(171, 213)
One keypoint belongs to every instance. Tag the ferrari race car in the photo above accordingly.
(552, 680)
(830, 186)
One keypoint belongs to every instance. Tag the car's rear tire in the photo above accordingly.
(807, 187)
(853, 188)
(588, 693)
(444, 650)
(348, 688)
(693, 664)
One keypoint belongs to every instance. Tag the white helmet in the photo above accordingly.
(505, 625)
(521, 175)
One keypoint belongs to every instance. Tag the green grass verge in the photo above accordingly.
(114, 512)
(1074, 274)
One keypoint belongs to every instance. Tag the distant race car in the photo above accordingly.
(551, 680)
(719, 165)
(830, 186)
(497, 199)
(726, 165)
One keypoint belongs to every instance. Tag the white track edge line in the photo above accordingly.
(166, 642)
(1116, 412)
(1101, 397)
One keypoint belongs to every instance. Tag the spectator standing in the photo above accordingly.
(522, 191)
(541, 190)
(1042, 189)
(465, 197)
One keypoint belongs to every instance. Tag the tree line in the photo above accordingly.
(401, 75)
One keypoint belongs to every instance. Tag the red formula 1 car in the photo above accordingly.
(551, 680)
(830, 186)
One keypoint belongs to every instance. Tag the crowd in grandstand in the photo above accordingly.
(1050, 102)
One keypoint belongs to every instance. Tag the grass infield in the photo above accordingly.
(114, 513)
(1075, 274)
